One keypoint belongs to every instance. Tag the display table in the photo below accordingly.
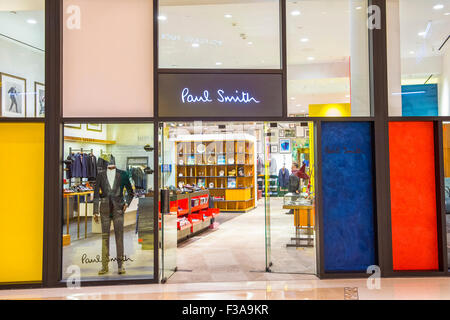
(68, 195)
(303, 220)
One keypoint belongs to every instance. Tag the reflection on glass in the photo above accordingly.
(328, 58)
(446, 140)
(108, 215)
(418, 57)
(219, 34)
(22, 59)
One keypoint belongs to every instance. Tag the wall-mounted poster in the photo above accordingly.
(97, 127)
(285, 145)
(73, 125)
(13, 96)
(274, 148)
(39, 100)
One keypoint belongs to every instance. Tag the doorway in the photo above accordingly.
(237, 210)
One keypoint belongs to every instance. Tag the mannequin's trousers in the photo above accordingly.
(117, 219)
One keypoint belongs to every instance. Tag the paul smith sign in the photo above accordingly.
(220, 95)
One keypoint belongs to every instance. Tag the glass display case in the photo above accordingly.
(296, 199)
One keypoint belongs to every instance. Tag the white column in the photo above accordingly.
(394, 57)
(359, 58)
(444, 87)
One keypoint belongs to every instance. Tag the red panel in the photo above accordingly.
(413, 196)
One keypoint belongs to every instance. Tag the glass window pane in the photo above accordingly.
(108, 216)
(328, 59)
(219, 34)
(22, 58)
(418, 57)
(108, 58)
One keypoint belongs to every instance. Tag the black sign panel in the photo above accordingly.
(220, 95)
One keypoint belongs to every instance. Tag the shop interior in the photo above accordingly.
(90, 152)
(241, 201)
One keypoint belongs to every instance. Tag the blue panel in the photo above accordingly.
(348, 196)
(420, 100)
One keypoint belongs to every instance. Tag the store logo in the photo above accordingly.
(239, 97)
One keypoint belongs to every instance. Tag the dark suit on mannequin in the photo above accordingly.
(112, 203)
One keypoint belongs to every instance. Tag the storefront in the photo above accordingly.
(161, 121)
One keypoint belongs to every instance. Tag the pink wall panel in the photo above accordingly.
(108, 60)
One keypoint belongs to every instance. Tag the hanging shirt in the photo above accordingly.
(111, 175)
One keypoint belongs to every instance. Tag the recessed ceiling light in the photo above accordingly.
(304, 40)
(292, 98)
(411, 52)
(218, 63)
(298, 105)
(447, 14)
(31, 21)
(195, 45)
(422, 34)
(249, 43)
(358, 8)
(228, 16)
(295, 13)
(311, 58)
(162, 18)
(347, 96)
(438, 7)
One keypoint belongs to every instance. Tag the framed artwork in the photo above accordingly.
(97, 127)
(13, 96)
(72, 125)
(39, 100)
(285, 145)
(274, 148)
(281, 133)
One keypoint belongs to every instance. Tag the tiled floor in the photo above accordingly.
(390, 289)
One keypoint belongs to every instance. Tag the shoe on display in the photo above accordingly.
(121, 271)
(103, 271)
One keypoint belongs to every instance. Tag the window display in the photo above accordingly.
(108, 200)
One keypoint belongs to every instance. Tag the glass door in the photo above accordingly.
(289, 197)
(168, 213)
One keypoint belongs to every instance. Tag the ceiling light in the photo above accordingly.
(31, 21)
(162, 18)
(298, 105)
(311, 58)
(292, 98)
(411, 52)
(218, 63)
(228, 16)
(358, 8)
(447, 14)
(304, 40)
(195, 45)
(422, 34)
(438, 7)
(295, 13)
(347, 96)
(249, 43)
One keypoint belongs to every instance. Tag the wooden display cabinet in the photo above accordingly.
(225, 167)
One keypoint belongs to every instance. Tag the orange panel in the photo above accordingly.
(413, 196)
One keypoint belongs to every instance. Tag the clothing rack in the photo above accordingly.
(81, 150)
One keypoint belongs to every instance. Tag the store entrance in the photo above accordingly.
(241, 201)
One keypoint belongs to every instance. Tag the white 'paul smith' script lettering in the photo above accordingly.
(238, 97)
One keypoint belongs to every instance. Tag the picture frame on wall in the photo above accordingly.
(39, 100)
(274, 148)
(285, 146)
(97, 127)
(13, 96)
(72, 125)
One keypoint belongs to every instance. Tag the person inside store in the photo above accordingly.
(110, 203)
(294, 183)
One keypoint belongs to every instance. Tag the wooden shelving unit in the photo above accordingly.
(225, 167)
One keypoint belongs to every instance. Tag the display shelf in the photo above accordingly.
(225, 167)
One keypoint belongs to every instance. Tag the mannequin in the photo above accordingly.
(110, 204)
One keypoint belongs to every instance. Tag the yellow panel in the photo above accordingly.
(311, 157)
(22, 201)
(330, 110)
